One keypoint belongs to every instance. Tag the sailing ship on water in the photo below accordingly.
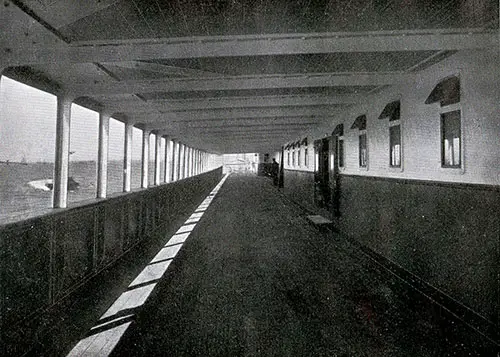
(8, 162)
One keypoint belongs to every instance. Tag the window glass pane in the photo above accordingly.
(116, 152)
(27, 148)
(135, 177)
(450, 139)
(298, 157)
(288, 158)
(395, 145)
(306, 159)
(363, 153)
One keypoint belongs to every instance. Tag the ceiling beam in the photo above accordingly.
(229, 102)
(265, 112)
(237, 83)
(194, 125)
(229, 127)
(252, 45)
(238, 114)
(246, 131)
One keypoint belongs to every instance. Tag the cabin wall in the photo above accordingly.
(440, 224)
(420, 124)
(45, 258)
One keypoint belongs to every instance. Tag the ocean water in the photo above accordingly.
(20, 199)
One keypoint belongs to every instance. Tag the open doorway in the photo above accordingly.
(322, 172)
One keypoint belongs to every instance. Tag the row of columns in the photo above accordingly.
(181, 161)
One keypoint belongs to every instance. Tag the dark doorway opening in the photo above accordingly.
(322, 172)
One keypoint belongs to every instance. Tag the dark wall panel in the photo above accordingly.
(299, 185)
(446, 234)
(113, 229)
(26, 278)
(74, 242)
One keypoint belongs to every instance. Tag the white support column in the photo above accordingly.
(193, 161)
(168, 159)
(188, 159)
(181, 161)
(184, 154)
(102, 156)
(145, 158)
(198, 164)
(195, 166)
(190, 167)
(127, 157)
(175, 159)
(60, 183)
(186, 162)
(157, 159)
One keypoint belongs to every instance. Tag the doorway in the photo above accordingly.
(322, 172)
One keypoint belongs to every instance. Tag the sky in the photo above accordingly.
(28, 126)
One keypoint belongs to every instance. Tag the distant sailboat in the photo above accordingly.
(23, 161)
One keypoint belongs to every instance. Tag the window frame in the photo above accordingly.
(446, 108)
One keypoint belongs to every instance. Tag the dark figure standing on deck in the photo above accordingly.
(275, 168)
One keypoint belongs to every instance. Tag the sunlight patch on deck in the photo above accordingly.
(102, 343)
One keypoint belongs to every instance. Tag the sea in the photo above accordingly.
(21, 198)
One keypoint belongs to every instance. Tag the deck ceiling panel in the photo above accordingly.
(157, 19)
(17, 28)
(305, 63)
(62, 13)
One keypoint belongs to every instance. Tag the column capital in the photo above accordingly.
(66, 96)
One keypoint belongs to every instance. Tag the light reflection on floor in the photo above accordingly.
(101, 342)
